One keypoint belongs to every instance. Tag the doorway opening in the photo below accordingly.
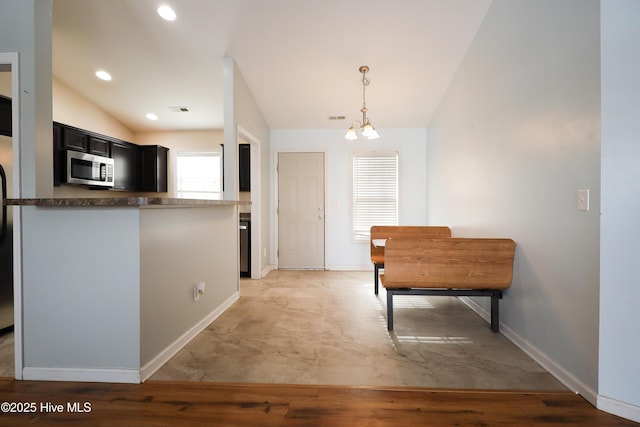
(252, 192)
(10, 271)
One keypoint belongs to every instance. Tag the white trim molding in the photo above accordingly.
(365, 267)
(267, 270)
(82, 375)
(621, 409)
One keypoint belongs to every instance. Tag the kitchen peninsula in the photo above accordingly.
(118, 297)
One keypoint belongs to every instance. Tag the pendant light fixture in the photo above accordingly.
(366, 128)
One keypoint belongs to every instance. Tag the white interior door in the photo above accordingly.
(301, 210)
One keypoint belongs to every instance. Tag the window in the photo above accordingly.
(198, 175)
(375, 192)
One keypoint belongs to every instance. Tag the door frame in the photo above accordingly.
(276, 225)
(12, 59)
(255, 231)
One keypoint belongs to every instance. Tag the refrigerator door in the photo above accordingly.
(6, 245)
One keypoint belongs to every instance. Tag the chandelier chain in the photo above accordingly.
(365, 83)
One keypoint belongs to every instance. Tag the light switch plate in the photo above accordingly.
(583, 200)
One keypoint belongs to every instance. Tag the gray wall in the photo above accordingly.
(81, 307)
(25, 27)
(241, 109)
(515, 137)
(620, 231)
(180, 247)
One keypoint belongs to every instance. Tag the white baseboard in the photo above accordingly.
(565, 377)
(266, 271)
(368, 267)
(163, 357)
(621, 409)
(82, 375)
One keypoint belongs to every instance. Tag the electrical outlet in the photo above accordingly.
(200, 287)
(198, 290)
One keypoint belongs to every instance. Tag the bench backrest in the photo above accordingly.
(403, 232)
(463, 263)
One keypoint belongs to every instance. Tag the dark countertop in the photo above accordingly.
(120, 202)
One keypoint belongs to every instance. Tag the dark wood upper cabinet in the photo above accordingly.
(136, 167)
(59, 157)
(75, 139)
(244, 167)
(5, 116)
(125, 165)
(152, 170)
(99, 146)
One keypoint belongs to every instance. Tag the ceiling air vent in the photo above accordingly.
(179, 109)
(337, 117)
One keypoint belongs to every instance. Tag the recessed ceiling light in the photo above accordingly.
(167, 13)
(152, 116)
(103, 75)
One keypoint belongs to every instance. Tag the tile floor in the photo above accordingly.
(324, 327)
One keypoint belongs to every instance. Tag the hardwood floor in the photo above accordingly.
(189, 404)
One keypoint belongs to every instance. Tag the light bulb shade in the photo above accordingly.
(351, 134)
(367, 129)
(373, 134)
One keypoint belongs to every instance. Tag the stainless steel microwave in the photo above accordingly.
(89, 169)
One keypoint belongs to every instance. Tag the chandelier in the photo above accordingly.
(366, 128)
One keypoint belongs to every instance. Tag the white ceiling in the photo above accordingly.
(300, 58)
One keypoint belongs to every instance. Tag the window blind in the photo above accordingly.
(375, 192)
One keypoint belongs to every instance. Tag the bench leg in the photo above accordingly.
(389, 310)
(376, 278)
(495, 311)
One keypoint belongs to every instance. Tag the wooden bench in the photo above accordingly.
(453, 266)
(384, 232)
